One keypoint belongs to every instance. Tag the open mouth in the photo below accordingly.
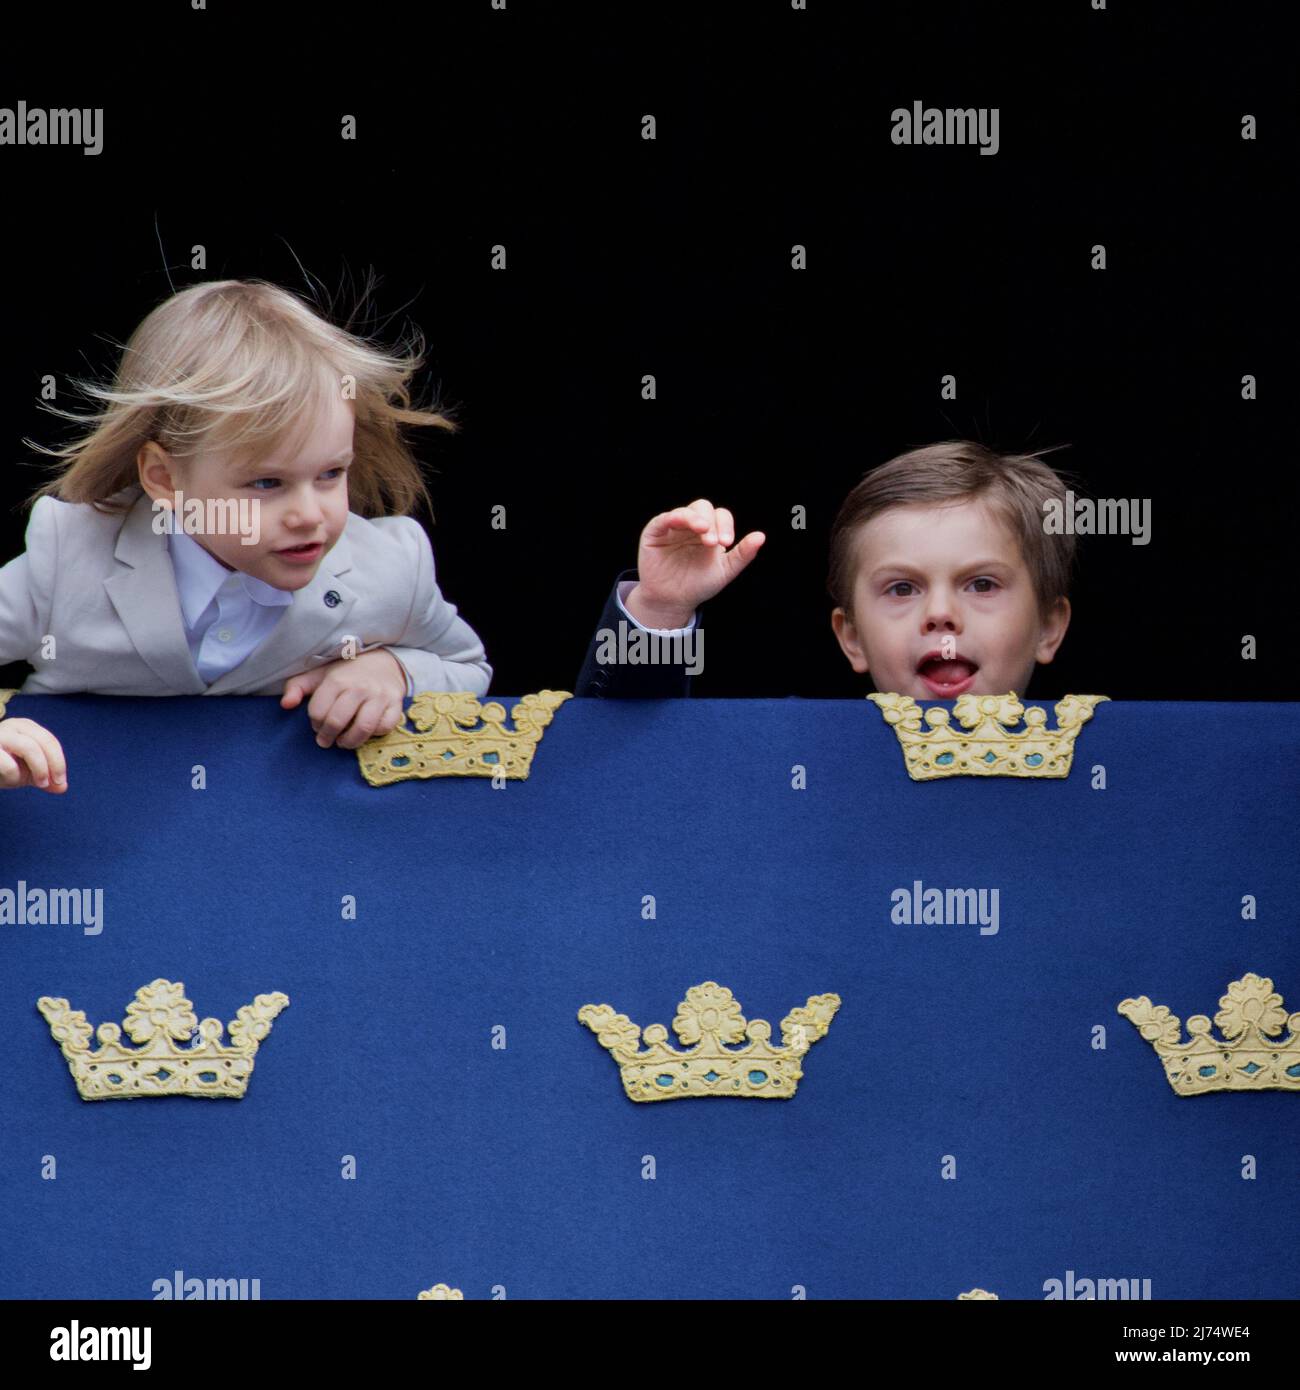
(947, 677)
(301, 552)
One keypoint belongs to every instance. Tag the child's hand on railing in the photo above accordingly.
(30, 756)
(685, 557)
(351, 700)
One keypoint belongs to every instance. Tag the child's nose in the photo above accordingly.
(941, 613)
(302, 512)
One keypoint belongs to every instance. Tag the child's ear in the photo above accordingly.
(158, 475)
(1052, 632)
(847, 636)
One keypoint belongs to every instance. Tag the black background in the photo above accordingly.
(672, 257)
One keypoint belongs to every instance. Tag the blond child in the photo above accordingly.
(944, 578)
(235, 521)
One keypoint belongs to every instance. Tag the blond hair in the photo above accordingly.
(243, 366)
(1017, 485)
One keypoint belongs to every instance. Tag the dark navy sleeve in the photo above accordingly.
(618, 680)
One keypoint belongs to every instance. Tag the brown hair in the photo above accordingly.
(242, 365)
(1017, 485)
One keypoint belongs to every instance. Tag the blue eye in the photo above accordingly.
(329, 475)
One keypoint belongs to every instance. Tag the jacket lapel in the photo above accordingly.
(149, 606)
(147, 602)
(315, 619)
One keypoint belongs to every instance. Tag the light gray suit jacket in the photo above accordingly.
(102, 586)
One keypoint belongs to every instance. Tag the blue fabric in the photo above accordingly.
(480, 907)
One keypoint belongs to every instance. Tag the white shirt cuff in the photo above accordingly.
(410, 684)
(625, 588)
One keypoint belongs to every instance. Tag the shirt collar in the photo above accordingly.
(200, 576)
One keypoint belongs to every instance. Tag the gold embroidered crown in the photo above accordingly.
(160, 1018)
(1243, 1059)
(710, 1018)
(986, 748)
(449, 734)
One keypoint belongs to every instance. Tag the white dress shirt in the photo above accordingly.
(227, 614)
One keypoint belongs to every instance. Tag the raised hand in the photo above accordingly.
(685, 557)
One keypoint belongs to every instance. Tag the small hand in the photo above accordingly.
(351, 700)
(683, 560)
(31, 756)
